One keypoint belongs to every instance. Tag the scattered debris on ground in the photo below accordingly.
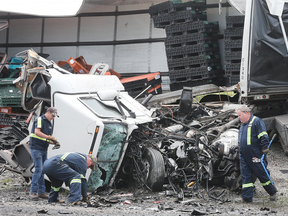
(140, 201)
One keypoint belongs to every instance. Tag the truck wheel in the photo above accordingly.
(154, 169)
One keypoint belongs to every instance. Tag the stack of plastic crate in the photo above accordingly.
(233, 35)
(143, 85)
(10, 95)
(192, 47)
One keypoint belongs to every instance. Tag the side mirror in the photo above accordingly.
(107, 95)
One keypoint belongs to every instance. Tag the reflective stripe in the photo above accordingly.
(82, 176)
(66, 154)
(266, 183)
(39, 122)
(37, 137)
(262, 134)
(75, 181)
(56, 189)
(247, 185)
(249, 131)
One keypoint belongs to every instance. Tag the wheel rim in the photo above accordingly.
(146, 169)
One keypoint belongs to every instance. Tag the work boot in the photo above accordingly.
(58, 201)
(241, 200)
(33, 196)
(273, 197)
(77, 203)
(43, 196)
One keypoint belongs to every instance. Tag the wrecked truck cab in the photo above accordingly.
(96, 116)
(98, 120)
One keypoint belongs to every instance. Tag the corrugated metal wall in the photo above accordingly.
(127, 42)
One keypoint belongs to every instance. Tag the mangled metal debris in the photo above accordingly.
(178, 147)
(200, 148)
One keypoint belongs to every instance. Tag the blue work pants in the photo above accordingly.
(248, 168)
(38, 181)
(59, 172)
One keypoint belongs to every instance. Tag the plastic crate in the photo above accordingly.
(15, 64)
(192, 50)
(137, 85)
(5, 120)
(149, 77)
(5, 109)
(169, 6)
(192, 27)
(162, 8)
(194, 62)
(156, 90)
(152, 90)
(232, 69)
(233, 45)
(233, 56)
(235, 21)
(233, 80)
(194, 74)
(191, 39)
(233, 34)
(83, 62)
(10, 95)
(162, 21)
(77, 67)
(141, 82)
(191, 5)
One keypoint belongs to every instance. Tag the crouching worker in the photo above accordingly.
(69, 168)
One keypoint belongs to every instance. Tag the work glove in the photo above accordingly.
(56, 146)
(53, 139)
(265, 151)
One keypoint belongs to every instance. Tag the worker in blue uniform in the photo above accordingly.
(40, 138)
(253, 142)
(70, 168)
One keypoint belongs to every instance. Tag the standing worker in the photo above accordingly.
(253, 142)
(70, 168)
(40, 138)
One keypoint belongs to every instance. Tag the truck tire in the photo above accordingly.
(154, 168)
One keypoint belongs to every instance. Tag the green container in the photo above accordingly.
(10, 95)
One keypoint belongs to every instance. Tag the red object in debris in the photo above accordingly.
(156, 89)
(5, 110)
(107, 73)
(149, 77)
(61, 63)
(29, 118)
(127, 202)
(157, 202)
